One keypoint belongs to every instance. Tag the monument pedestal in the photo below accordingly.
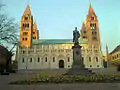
(77, 66)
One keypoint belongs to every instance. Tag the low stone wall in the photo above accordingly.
(44, 71)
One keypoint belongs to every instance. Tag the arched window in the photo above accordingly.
(91, 24)
(53, 59)
(30, 59)
(23, 52)
(94, 38)
(82, 58)
(95, 24)
(90, 65)
(38, 59)
(45, 59)
(26, 18)
(68, 59)
(92, 18)
(84, 31)
(23, 25)
(23, 60)
(92, 32)
(96, 59)
(26, 39)
(95, 33)
(28, 25)
(90, 59)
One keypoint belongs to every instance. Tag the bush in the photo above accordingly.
(69, 79)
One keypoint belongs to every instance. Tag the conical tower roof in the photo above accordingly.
(83, 26)
(27, 10)
(35, 25)
(91, 11)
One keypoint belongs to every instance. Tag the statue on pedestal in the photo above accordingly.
(77, 65)
(76, 36)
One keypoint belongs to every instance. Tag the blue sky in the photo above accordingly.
(57, 18)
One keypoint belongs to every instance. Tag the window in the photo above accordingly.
(97, 65)
(38, 59)
(94, 38)
(84, 37)
(92, 32)
(53, 59)
(82, 58)
(23, 52)
(27, 25)
(90, 59)
(68, 66)
(117, 55)
(34, 37)
(25, 33)
(95, 33)
(92, 18)
(45, 59)
(68, 59)
(95, 24)
(23, 60)
(84, 31)
(26, 18)
(33, 32)
(30, 59)
(23, 25)
(26, 39)
(113, 57)
(96, 59)
(23, 39)
(91, 24)
(90, 65)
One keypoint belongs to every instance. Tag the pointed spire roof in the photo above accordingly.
(106, 49)
(35, 25)
(91, 11)
(106, 46)
(83, 26)
(27, 10)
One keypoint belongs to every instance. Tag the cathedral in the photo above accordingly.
(36, 53)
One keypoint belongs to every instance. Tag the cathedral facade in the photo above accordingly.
(35, 53)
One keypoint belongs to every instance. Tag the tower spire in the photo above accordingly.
(91, 11)
(83, 26)
(35, 25)
(27, 10)
(29, 2)
(107, 53)
(89, 2)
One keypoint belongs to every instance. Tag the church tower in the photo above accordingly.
(92, 29)
(83, 31)
(107, 53)
(26, 28)
(35, 33)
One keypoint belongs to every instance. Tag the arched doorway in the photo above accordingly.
(61, 64)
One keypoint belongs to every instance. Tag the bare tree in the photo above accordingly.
(8, 38)
(8, 30)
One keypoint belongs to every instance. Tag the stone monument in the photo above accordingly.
(78, 65)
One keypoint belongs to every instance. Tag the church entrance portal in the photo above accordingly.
(61, 64)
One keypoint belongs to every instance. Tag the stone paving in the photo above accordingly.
(5, 79)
